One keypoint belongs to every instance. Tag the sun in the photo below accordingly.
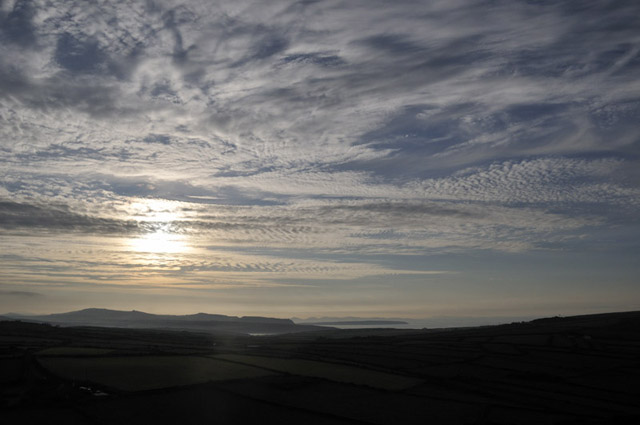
(159, 243)
(160, 216)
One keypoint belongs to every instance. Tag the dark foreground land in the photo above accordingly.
(574, 370)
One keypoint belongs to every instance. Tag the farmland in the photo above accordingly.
(138, 373)
(324, 370)
(581, 369)
(74, 351)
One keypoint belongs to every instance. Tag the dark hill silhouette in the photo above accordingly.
(200, 321)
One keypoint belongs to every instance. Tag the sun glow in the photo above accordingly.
(160, 217)
(156, 210)
(159, 243)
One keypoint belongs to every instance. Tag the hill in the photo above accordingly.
(202, 322)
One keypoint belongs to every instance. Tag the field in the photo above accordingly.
(582, 369)
(330, 371)
(74, 351)
(139, 373)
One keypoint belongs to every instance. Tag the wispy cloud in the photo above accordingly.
(371, 128)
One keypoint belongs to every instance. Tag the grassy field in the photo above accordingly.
(331, 371)
(136, 373)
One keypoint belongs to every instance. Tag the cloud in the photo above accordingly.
(20, 294)
(364, 128)
(16, 216)
(16, 25)
(337, 90)
(79, 55)
(548, 181)
(318, 59)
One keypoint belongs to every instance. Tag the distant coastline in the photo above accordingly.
(358, 323)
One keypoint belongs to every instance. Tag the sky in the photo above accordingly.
(320, 158)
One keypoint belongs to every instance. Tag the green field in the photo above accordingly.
(331, 371)
(138, 373)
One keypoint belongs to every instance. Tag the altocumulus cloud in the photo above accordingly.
(367, 127)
